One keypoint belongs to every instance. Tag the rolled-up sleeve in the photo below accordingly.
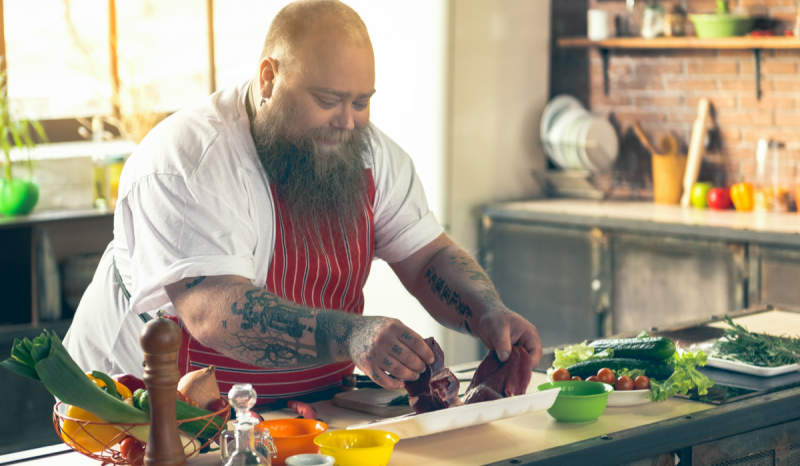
(403, 222)
(176, 231)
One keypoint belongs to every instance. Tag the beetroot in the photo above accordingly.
(436, 388)
(494, 379)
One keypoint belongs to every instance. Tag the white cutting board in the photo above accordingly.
(775, 323)
(372, 401)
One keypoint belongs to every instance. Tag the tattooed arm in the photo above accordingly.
(456, 291)
(230, 315)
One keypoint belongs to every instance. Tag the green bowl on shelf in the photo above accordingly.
(722, 25)
(578, 401)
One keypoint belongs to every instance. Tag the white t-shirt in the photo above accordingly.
(195, 201)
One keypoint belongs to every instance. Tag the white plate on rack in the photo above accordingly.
(417, 425)
(619, 398)
(558, 137)
(735, 366)
(552, 111)
(599, 145)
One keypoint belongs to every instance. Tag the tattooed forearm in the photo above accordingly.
(195, 282)
(272, 333)
(450, 297)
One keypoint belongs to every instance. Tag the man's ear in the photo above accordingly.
(267, 75)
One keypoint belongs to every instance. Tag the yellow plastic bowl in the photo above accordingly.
(359, 447)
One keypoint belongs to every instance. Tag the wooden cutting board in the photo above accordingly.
(775, 323)
(372, 401)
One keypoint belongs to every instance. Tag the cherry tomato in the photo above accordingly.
(591, 378)
(217, 405)
(605, 375)
(560, 375)
(642, 383)
(132, 450)
(624, 383)
(576, 377)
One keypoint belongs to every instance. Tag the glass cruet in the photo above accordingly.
(242, 397)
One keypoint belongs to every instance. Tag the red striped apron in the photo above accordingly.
(327, 269)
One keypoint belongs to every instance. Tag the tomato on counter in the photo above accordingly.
(719, 199)
(624, 383)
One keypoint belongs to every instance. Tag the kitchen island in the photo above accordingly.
(763, 425)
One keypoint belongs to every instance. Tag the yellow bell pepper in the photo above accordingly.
(123, 391)
(92, 438)
(742, 195)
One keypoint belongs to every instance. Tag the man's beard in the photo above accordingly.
(314, 182)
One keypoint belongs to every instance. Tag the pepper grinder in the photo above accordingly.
(160, 339)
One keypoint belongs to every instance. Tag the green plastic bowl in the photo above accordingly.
(578, 401)
(722, 25)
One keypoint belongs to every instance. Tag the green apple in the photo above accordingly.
(699, 194)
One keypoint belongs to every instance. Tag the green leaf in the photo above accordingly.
(642, 335)
(574, 354)
(685, 377)
(630, 373)
(40, 350)
(19, 368)
(22, 353)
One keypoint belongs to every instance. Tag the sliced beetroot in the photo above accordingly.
(436, 388)
(494, 379)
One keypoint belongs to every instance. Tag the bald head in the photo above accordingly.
(308, 20)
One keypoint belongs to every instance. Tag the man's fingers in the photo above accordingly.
(397, 369)
(417, 344)
(379, 377)
(407, 357)
(533, 344)
(501, 340)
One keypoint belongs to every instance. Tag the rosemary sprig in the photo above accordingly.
(740, 345)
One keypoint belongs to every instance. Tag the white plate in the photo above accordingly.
(600, 145)
(417, 425)
(628, 397)
(552, 111)
(751, 369)
(557, 137)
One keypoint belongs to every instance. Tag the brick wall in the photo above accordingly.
(661, 89)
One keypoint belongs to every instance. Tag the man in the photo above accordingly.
(254, 217)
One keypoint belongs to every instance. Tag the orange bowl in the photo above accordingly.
(293, 436)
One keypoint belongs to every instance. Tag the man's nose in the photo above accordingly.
(344, 119)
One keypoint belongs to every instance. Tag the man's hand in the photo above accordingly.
(501, 329)
(380, 344)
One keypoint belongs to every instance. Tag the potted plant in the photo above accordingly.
(18, 196)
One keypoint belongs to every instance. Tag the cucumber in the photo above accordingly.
(654, 369)
(637, 348)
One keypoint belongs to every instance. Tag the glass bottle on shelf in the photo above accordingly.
(772, 190)
(100, 186)
(242, 397)
(114, 171)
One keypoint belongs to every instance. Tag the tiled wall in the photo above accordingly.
(661, 89)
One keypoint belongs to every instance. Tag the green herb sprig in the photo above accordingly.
(740, 345)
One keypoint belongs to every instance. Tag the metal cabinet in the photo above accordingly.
(545, 274)
(774, 273)
(577, 281)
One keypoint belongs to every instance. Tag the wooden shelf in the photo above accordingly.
(727, 43)
(754, 44)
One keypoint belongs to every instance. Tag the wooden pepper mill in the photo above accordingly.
(160, 339)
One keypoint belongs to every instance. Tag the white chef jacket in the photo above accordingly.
(195, 201)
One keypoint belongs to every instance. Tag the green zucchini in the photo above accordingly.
(654, 369)
(202, 429)
(637, 348)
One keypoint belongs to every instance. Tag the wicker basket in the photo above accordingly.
(110, 454)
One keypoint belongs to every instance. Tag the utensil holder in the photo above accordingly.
(668, 178)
